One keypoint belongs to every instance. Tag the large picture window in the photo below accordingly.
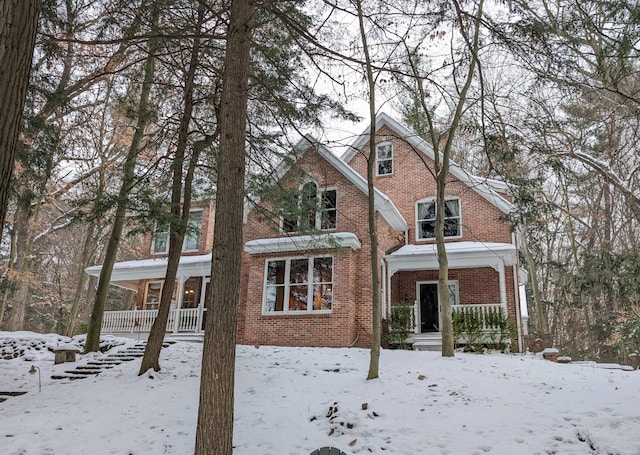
(426, 218)
(160, 243)
(298, 285)
(384, 158)
(316, 209)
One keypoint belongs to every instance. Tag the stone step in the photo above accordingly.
(4, 396)
(67, 376)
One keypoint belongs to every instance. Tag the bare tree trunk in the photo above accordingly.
(542, 324)
(128, 176)
(180, 209)
(87, 254)
(18, 27)
(8, 275)
(24, 244)
(376, 313)
(214, 434)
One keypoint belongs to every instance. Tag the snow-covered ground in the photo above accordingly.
(295, 400)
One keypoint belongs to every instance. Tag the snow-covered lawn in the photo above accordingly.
(294, 400)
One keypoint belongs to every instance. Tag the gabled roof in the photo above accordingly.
(484, 187)
(382, 202)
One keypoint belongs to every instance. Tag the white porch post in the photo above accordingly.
(503, 286)
(203, 296)
(179, 299)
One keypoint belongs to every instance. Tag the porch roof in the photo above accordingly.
(127, 274)
(459, 255)
(303, 243)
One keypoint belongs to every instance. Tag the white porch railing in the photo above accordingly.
(141, 321)
(488, 314)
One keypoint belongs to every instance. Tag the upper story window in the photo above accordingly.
(384, 158)
(298, 285)
(426, 218)
(160, 243)
(316, 209)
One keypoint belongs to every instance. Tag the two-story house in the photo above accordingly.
(315, 290)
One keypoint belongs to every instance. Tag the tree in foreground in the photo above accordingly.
(18, 26)
(214, 433)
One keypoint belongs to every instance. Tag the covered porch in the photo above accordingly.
(483, 284)
(146, 277)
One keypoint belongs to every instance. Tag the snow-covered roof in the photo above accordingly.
(459, 255)
(303, 243)
(487, 188)
(127, 274)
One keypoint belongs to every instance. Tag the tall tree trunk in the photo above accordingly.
(7, 275)
(18, 27)
(214, 434)
(376, 311)
(179, 208)
(87, 254)
(128, 176)
(24, 244)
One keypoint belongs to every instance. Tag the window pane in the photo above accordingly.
(451, 227)
(385, 167)
(161, 238)
(275, 272)
(274, 299)
(322, 296)
(308, 206)
(299, 271)
(298, 296)
(427, 229)
(153, 295)
(329, 212)
(192, 237)
(452, 207)
(452, 294)
(323, 270)
(384, 152)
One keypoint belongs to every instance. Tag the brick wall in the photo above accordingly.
(412, 180)
(350, 320)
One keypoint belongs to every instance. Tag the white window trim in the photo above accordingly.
(184, 241)
(417, 221)
(287, 284)
(386, 159)
(318, 220)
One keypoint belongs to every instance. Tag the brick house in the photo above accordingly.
(301, 289)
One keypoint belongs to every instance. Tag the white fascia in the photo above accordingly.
(303, 243)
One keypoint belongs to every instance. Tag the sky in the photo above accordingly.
(295, 400)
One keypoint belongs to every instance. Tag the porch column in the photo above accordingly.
(503, 286)
(179, 299)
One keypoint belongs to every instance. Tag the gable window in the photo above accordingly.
(317, 209)
(384, 158)
(191, 239)
(426, 218)
(298, 285)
